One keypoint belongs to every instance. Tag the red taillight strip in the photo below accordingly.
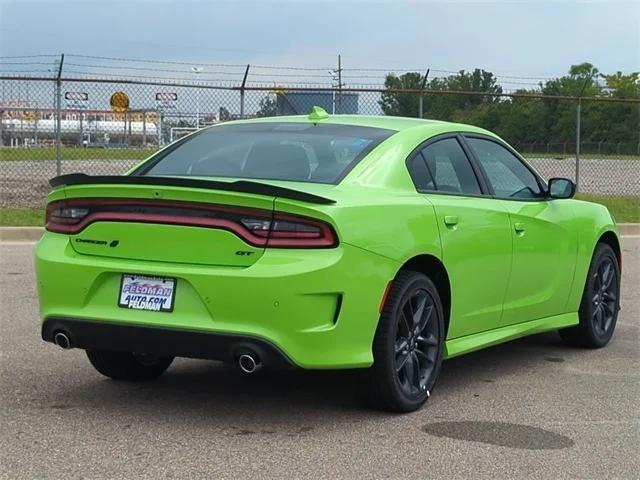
(245, 234)
(278, 239)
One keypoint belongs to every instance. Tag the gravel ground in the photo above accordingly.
(532, 408)
(24, 183)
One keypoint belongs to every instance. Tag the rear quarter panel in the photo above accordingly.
(393, 224)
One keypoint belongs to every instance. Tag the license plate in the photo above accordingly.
(141, 292)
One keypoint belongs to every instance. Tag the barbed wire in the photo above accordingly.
(166, 70)
(25, 63)
(191, 75)
(28, 56)
(162, 71)
(310, 69)
(452, 72)
(198, 63)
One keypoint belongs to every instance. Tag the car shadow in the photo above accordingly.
(214, 392)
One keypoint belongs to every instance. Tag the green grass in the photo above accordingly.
(623, 209)
(21, 217)
(68, 153)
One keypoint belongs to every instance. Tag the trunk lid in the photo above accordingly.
(169, 223)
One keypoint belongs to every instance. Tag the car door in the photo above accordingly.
(475, 233)
(544, 247)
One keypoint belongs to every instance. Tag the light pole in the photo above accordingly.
(197, 70)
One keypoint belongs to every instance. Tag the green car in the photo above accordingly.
(324, 242)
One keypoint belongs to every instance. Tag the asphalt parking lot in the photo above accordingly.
(528, 409)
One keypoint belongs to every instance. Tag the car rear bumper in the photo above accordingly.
(98, 335)
(319, 308)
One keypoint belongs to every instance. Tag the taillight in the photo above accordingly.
(61, 218)
(257, 227)
(302, 232)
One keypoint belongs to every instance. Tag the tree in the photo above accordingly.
(528, 120)
(268, 107)
(401, 104)
(441, 107)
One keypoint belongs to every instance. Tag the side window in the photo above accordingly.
(508, 176)
(448, 168)
(419, 173)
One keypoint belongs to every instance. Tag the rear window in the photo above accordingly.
(301, 152)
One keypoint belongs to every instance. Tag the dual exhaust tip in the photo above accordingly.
(248, 362)
(62, 340)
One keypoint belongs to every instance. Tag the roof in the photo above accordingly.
(318, 115)
(376, 121)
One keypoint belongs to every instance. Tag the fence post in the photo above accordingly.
(144, 128)
(244, 82)
(578, 117)
(339, 71)
(81, 133)
(58, 113)
(159, 128)
(421, 99)
(129, 132)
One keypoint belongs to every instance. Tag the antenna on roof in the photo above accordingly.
(317, 113)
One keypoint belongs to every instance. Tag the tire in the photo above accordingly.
(128, 366)
(599, 306)
(406, 364)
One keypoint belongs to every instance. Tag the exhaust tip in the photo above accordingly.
(249, 364)
(62, 340)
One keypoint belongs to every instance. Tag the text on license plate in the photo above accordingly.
(140, 292)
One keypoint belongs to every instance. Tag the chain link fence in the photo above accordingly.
(52, 126)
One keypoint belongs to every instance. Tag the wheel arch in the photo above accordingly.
(610, 238)
(433, 268)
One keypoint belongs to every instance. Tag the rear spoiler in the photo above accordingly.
(244, 186)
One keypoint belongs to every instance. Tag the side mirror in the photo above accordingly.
(561, 188)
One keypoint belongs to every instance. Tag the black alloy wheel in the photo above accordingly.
(598, 312)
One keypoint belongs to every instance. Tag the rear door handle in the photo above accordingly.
(519, 227)
(451, 220)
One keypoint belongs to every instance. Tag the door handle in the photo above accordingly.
(451, 220)
(519, 227)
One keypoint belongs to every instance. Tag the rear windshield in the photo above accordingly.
(301, 152)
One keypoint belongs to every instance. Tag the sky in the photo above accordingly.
(518, 38)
